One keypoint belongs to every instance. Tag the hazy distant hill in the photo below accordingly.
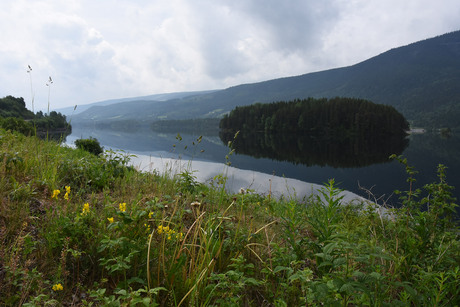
(156, 97)
(422, 80)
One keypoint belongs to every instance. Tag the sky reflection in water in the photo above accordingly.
(257, 182)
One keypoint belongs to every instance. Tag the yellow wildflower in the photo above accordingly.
(110, 219)
(169, 232)
(179, 236)
(150, 214)
(122, 207)
(58, 287)
(160, 229)
(67, 192)
(55, 194)
(85, 209)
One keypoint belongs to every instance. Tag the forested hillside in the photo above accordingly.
(15, 116)
(14, 107)
(420, 80)
(324, 117)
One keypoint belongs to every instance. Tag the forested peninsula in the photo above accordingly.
(336, 117)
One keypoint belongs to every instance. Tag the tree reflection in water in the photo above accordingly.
(350, 152)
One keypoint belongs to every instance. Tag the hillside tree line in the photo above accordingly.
(336, 117)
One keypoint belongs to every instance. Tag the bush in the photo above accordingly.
(17, 124)
(90, 145)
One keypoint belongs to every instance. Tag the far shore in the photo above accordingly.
(417, 131)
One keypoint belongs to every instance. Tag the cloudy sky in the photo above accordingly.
(103, 49)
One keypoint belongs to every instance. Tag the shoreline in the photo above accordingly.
(258, 182)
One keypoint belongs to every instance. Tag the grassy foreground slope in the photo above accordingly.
(82, 230)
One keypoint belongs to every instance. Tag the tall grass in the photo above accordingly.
(117, 237)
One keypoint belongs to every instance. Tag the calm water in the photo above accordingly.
(315, 163)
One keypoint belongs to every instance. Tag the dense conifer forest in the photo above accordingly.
(336, 117)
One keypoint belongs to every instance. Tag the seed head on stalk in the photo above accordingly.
(48, 84)
(29, 71)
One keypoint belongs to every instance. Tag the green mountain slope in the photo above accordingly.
(70, 111)
(421, 80)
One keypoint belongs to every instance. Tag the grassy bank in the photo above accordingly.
(82, 230)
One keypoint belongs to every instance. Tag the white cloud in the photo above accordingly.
(103, 49)
(368, 28)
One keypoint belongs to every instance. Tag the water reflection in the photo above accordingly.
(424, 153)
(257, 182)
(56, 135)
(300, 149)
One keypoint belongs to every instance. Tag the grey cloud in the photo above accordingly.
(219, 31)
(295, 24)
(282, 27)
(98, 49)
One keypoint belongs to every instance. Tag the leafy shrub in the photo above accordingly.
(17, 124)
(94, 173)
(91, 145)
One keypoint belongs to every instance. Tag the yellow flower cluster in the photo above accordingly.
(110, 219)
(58, 287)
(67, 192)
(170, 233)
(85, 209)
(122, 207)
(55, 194)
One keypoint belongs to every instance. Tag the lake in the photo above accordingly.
(316, 166)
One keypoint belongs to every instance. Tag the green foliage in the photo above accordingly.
(90, 145)
(89, 230)
(17, 124)
(14, 107)
(95, 174)
(51, 122)
(325, 212)
(188, 182)
(229, 288)
(14, 116)
(337, 117)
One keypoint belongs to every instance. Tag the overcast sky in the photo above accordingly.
(102, 49)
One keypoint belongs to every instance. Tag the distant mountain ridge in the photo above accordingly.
(68, 111)
(421, 80)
